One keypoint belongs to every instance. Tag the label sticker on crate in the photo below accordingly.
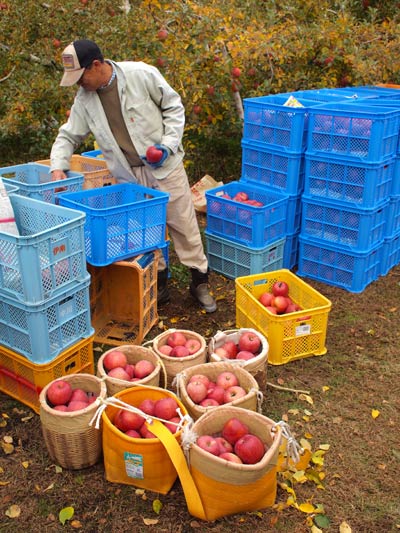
(303, 329)
(60, 248)
(134, 465)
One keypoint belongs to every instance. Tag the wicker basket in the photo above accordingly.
(228, 488)
(175, 365)
(256, 366)
(133, 355)
(251, 400)
(69, 438)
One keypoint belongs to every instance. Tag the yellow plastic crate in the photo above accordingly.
(291, 336)
(23, 380)
(95, 171)
(123, 299)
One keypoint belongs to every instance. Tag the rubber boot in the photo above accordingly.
(200, 291)
(162, 287)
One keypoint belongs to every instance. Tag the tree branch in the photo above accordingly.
(289, 390)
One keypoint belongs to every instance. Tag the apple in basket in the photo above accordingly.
(233, 430)
(227, 379)
(234, 393)
(176, 338)
(143, 368)
(250, 449)
(197, 391)
(114, 359)
(59, 392)
(249, 341)
(209, 444)
(61, 396)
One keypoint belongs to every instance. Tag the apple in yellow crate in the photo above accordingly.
(125, 420)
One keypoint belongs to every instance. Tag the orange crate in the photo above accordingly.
(123, 299)
(290, 336)
(24, 380)
(95, 171)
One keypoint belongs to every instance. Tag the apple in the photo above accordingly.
(79, 395)
(177, 338)
(113, 359)
(241, 196)
(197, 391)
(280, 288)
(217, 393)
(233, 430)
(119, 373)
(245, 355)
(266, 298)
(231, 457)
(130, 370)
(197, 109)
(227, 379)
(208, 443)
(231, 349)
(234, 393)
(172, 424)
(143, 368)
(200, 377)
(146, 433)
(179, 351)
(236, 72)
(249, 341)
(153, 154)
(59, 392)
(292, 308)
(61, 407)
(280, 303)
(209, 402)
(193, 345)
(165, 349)
(272, 309)
(125, 420)
(221, 352)
(211, 90)
(76, 405)
(165, 408)
(224, 445)
(133, 434)
(147, 406)
(92, 399)
(249, 448)
(162, 34)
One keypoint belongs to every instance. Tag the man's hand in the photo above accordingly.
(165, 153)
(58, 175)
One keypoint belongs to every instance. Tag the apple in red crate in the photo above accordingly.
(143, 368)
(125, 420)
(227, 379)
(250, 449)
(208, 443)
(234, 429)
(59, 392)
(249, 341)
(280, 288)
(165, 408)
(193, 345)
(114, 359)
(176, 338)
(234, 393)
(197, 391)
(232, 457)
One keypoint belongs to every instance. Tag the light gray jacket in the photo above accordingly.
(153, 113)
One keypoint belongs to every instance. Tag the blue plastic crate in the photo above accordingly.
(348, 180)
(367, 132)
(243, 223)
(351, 227)
(10, 189)
(294, 209)
(49, 254)
(392, 217)
(291, 251)
(268, 120)
(234, 260)
(94, 153)
(34, 180)
(337, 266)
(324, 95)
(121, 221)
(395, 189)
(278, 169)
(390, 253)
(42, 331)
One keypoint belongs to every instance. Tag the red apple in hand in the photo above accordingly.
(250, 449)
(153, 154)
(280, 288)
(249, 342)
(59, 392)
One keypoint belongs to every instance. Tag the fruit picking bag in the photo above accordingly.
(142, 462)
(256, 366)
(252, 400)
(71, 442)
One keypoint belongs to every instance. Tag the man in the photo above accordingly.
(129, 106)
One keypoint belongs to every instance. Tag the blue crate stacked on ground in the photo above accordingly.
(349, 168)
(244, 238)
(45, 326)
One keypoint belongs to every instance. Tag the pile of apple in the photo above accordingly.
(277, 301)
(243, 198)
(208, 393)
(133, 424)
(61, 396)
(179, 345)
(116, 365)
(247, 347)
(234, 443)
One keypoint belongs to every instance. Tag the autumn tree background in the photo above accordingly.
(214, 53)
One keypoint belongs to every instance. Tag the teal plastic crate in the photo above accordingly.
(337, 266)
(48, 255)
(34, 180)
(121, 221)
(40, 332)
(234, 260)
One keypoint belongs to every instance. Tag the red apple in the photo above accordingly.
(165, 408)
(143, 368)
(233, 430)
(165, 349)
(227, 379)
(133, 434)
(172, 424)
(125, 420)
(113, 359)
(245, 355)
(234, 393)
(146, 433)
(232, 457)
(280, 288)
(200, 377)
(224, 445)
(197, 391)
(79, 395)
(59, 392)
(249, 342)
(272, 309)
(179, 351)
(177, 338)
(231, 348)
(221, 352)
(153, 154)
(77, 405)
(236, 72)
(193, 345)
(250, 449)
(61, 407)
(147, 406)
(162, 34)
(241, 196)
(217, 393)
(266, 298)
(280, 303)
(208, 443)
(119, 373)
(130, 370)
(209, 402)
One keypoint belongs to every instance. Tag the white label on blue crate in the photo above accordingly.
(134, 465)
(303, 329)
(66, 308)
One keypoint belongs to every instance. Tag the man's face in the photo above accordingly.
(91, 78)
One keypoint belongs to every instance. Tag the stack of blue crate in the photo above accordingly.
(350, 163)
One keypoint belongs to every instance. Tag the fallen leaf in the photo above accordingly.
(3, 423)
(58, 469)
(8, 439)
(325, 388)
(150, 521)
(306, 508)
(157, 506)
(371, 332)
(7, 447)
(50, 487)
(375, 413)
(27, 418)
(280, 381)
(324, 447)
(344, 528)
(285, 417)
(307, 398)
(337, 420)
(322, 521)
(293, 411)
(25, 464)
(76, 524)
(3, 483)
(65, 514)
(13, 511)
(139, 492)
(315, 529)
(308, 435)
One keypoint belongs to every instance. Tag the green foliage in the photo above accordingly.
(278, 46)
